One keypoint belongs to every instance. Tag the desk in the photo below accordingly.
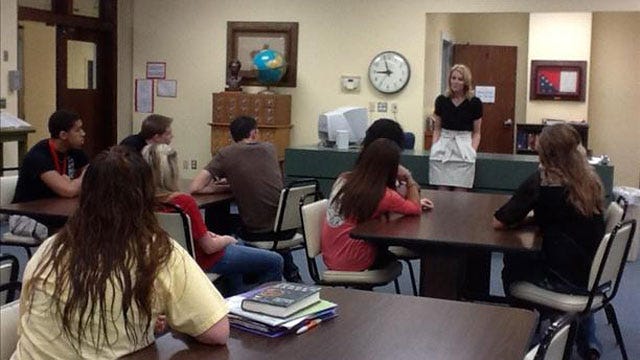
(374, 325)
(14, 134)
(58, 209)
(458, 226)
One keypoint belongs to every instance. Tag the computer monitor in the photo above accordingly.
(350, 118)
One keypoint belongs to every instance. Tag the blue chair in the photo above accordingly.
(409, 140)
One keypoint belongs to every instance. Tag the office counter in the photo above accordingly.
(495, 173)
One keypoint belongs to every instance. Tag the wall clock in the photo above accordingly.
(389, 72)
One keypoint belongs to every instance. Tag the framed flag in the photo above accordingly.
(558, 80)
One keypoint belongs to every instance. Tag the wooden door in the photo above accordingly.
(493, 66)
(83, 84)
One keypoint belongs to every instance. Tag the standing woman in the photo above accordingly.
(94, 289)
(367, 192)
(456, 133)
(566, 197)
(214, 253)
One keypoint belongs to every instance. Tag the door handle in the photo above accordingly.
(508, 123)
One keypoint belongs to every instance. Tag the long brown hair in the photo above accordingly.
(365, 186)
(112, 244)
(562, 155)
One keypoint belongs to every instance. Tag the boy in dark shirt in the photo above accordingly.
(155, 129)
(54, 166)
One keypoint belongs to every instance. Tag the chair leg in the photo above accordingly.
(397, 285)
(413, 277)
(28, 250)
(613, 319)
(571, 338)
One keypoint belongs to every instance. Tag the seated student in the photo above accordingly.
(253, 174)
(367, 192)
(566, 196)
(214, 253)
(155, 129)
(95, 289)
(53, 167)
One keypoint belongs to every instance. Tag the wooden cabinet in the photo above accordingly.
(271, 111)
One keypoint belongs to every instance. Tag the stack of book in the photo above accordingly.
(279, 309)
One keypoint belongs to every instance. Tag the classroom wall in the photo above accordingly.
(559, 36)
(9, 43)
(39, 91)
(336, 38)
(614, 106)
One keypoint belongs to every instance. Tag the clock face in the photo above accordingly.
(389, 72)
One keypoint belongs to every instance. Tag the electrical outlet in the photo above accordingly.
(394, 107)
(382, 106)
(185, 165)
(194, 164)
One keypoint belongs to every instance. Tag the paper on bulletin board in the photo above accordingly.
(167, 88)
(487, 94)
(144, 96)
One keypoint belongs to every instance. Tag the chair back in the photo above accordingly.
(9, 269)
(612, 216)
(554, 342)
(609, 261)
(312, 216)
(7, 188)
(178, 225)
(288, 214)
(10, 315)
(409, 141)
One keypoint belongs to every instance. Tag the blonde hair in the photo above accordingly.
(562, 154)
(163, 160)
(468, 81)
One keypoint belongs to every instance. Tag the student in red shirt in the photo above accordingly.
(367, 192)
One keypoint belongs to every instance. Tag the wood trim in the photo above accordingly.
(50, 18)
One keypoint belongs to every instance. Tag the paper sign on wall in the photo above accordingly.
(487, 94)
(144, 96)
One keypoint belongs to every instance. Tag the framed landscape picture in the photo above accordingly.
(558, 80)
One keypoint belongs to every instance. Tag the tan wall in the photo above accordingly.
(559, 36)
(9, 43)
(39, 77)
(614, 106)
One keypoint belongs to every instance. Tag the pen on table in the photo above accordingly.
(308, 326)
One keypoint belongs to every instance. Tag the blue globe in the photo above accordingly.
(271, 66)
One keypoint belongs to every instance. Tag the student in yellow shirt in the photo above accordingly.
(95, 289)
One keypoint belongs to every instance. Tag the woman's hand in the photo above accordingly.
(223, 239)
(404, 175)
(426, 204)
(160, 326)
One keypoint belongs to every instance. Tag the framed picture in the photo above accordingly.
(156, 70)
(558, 80)
(245, 39)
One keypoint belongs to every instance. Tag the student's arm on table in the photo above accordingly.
(218, 334)
(201, 182)
(62, 185)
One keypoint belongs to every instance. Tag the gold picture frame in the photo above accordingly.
(244, 38)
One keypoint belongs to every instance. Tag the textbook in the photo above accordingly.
(291, 326)
(281, 300)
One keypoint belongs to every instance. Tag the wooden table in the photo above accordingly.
(58, 209)
(451, 238)
(373, 326)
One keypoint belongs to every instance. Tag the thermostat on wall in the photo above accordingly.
(350, 83)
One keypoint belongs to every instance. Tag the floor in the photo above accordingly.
(626, 303)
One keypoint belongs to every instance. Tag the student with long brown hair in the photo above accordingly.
(566, 196)
(368, 191)
(95, 289)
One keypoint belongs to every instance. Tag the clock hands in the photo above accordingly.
(387, 71)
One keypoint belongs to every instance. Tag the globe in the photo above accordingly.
(271, 66)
